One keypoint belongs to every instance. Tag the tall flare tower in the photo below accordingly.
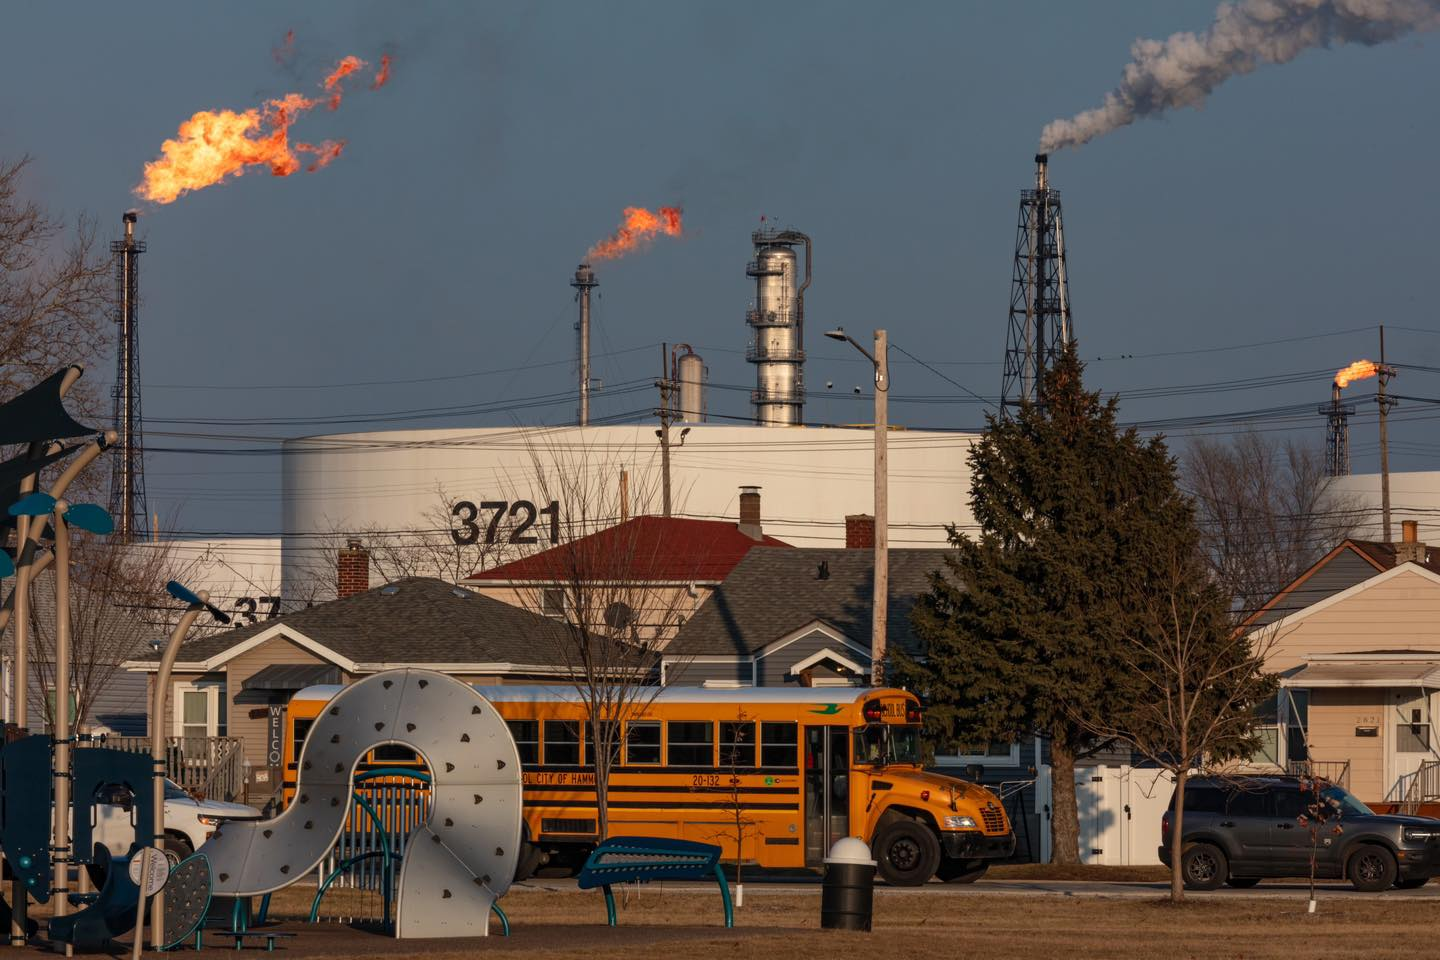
(1039, 293)
(127, 477)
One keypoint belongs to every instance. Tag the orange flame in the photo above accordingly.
(639, 228)
(343, 69)
(1359, 370)
(215, 145)
(383, 74)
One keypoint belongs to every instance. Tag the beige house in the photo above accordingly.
(1360, 676)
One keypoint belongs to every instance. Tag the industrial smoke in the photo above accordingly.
(1183, 70)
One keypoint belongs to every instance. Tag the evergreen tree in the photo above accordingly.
(1026, 631)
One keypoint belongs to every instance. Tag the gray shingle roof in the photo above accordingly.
(415, 620)
(776, 591)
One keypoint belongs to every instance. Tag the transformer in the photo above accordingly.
(777, 324)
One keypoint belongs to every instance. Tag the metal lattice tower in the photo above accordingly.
(127, 477)
(1039, 293)
(1337, 434)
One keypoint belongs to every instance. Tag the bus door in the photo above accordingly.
(827, 789)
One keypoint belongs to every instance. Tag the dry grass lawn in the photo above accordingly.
(660, 923)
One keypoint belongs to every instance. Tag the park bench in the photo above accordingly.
(642, 859)
(269, 936)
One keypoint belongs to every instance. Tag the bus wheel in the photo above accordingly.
(907, 853)
(962, 871)
(531, 858)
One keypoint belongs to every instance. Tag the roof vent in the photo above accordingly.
(462, 594)
(823, 571)
(390, 590)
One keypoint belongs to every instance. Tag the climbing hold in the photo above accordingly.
(449, 767)
(388, 684)
(478, 798)
(424, 683)
(445, 895)
(379, 726)
(475, 709)
(449, 822)
(334, 711)
(268, 834)
(464, 738)
(499, 764)
(499, 852)
(224, 877)
(305, 765)
(309, 824)
(434, 838)
(335, 739)
(334, 801)
(339, 768)
(409, 728)
(304, 798)
(285, 868)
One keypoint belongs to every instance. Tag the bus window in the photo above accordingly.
(302, 727)
(394, 753)
(642, 741)
(562, 743)
(527, 740)
(692, 743)
(737, 744)
(778, 745)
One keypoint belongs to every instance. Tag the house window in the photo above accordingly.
(562, 743)
(642, 741)
(50, 705)
(527, 740)
(1413, 737)
(996, 754)
(198, 709)
(779, 745)
(552, 602)
(692, 743)
(737, 744)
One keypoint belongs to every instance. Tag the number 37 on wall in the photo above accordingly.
(522, 512)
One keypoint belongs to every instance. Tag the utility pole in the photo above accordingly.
(880, 604)
(666, 413)
(1385, 373)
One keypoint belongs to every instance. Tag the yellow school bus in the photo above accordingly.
(785, 772)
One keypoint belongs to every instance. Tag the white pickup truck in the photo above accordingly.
(188, 822)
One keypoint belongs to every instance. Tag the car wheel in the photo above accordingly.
(962, 871)
(1203, 867)
(1413, 883)
(1243, 883)
(176, 849)
(1371, 868)
(907, 852)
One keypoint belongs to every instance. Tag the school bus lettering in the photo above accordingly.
(801, 768)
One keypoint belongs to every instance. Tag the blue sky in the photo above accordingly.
(1299, 202)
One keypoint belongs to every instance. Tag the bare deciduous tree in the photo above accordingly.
(1265, 512)
(118, 606)
(53, 297)
(598, 581)
(1202, 681)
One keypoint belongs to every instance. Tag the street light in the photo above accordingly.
(879, 604)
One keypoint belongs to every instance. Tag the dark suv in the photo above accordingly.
(1241, 830)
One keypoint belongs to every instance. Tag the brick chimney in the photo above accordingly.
(1410, 549)
(750, 513)
(859, 532)
(352, 570)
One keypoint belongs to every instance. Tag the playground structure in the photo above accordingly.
(456, 862)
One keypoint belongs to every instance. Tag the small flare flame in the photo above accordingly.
(1359, 370)
(382, 76)
(215, 145)
(639, 229)
(343, 69)
(284, 53)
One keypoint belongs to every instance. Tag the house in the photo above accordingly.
(236, 683)
(646, 573)
(797, 616)
(1359, 668)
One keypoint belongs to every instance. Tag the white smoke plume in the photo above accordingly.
(1183, 70)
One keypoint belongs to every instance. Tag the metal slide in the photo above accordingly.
(456, 864)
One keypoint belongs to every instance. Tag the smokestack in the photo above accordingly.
(860, 532)
(128, 504)
(583, 283)
(352, 570)
(1410, 549)
(777, 324)
(1042, 171)
(750, 513)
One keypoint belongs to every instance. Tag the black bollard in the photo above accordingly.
(847, 898)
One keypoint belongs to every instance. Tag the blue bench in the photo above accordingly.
(642, 859)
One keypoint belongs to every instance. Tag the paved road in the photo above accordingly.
(1273, 890)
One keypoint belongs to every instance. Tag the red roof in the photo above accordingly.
(645, 549)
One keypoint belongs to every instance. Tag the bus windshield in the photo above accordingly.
(878, 744)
